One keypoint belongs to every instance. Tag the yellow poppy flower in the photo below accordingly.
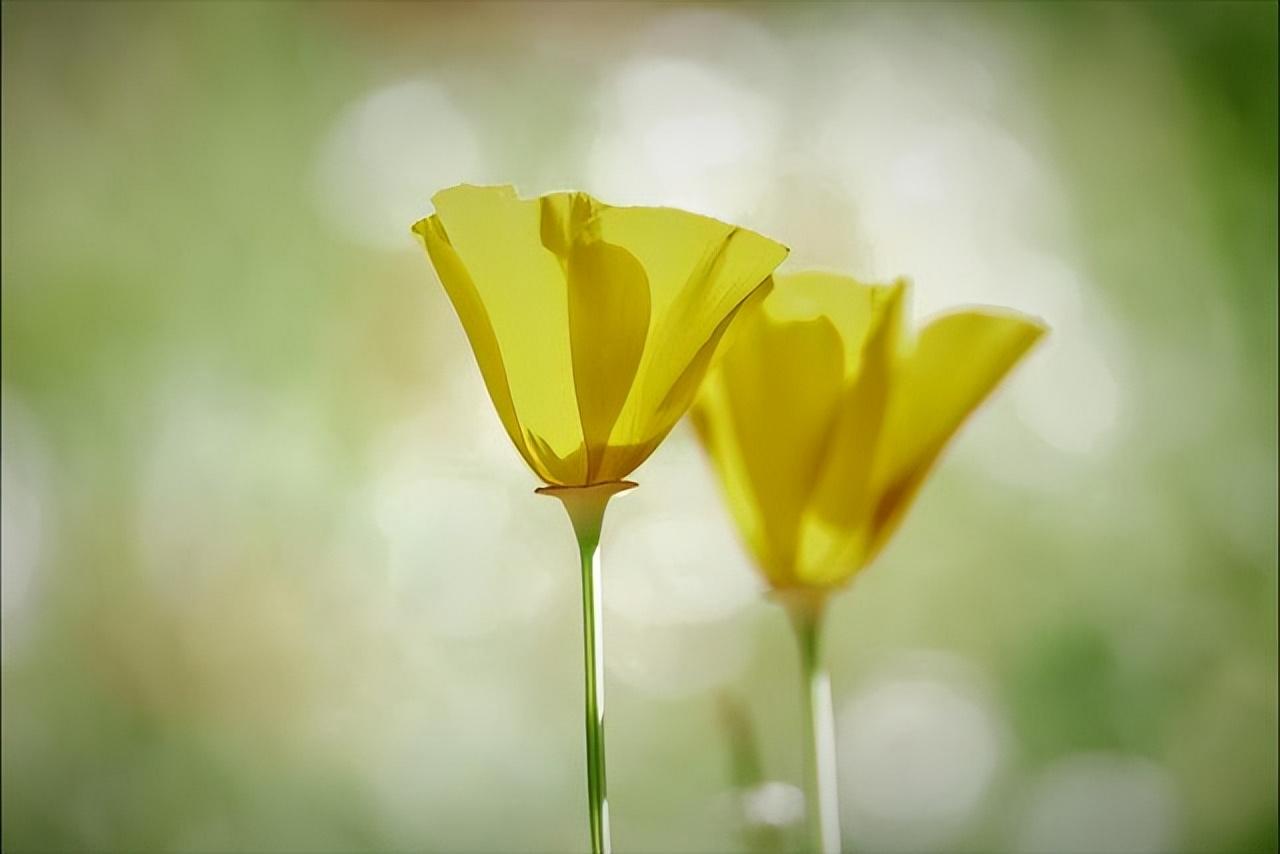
(593, 325)
(826, 414)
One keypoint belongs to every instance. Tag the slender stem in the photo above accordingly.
(586, 506)
(593, 666)
(820, 758)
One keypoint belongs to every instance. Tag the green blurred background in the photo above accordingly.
(274, 580)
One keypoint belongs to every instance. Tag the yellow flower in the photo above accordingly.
(825, 415)
(593, 325)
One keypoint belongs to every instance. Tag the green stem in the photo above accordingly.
(586, 506)
(593, 666)
(820, 757)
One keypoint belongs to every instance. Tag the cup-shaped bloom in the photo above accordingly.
(593, 325)
(826, 413)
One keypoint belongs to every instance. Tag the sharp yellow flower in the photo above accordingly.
(826, 414)
(593, 325)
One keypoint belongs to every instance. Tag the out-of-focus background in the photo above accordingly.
(274, 579)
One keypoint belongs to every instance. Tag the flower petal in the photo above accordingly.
(699, 271)
(565, 219)
(836, 534)
(848, 303)
(764, 415)
(622, 459)
(608, 322)
(475, 322)
(958, 360)
(499, 239)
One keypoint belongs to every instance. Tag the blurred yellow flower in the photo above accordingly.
(826, 414)
(593, 325)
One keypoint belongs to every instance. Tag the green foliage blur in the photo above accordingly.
(273, 580)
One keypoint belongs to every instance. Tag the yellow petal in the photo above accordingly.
(781, 383)
(499, 239)
(620, 460)
(608, 322)
(475, 322)
(567, 218)
(712, 417)
(849, 304)
(959, 359)
(699, 270)
(836, 532)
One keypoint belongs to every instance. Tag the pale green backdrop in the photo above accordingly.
(274, 580)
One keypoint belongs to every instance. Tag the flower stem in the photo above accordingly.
(586, 506)
(820, 764)
(593, 665)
